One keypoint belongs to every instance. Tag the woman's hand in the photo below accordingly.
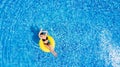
(42, 31)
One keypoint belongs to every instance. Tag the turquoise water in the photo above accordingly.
(87, 33)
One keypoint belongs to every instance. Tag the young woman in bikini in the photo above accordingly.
(43, 35)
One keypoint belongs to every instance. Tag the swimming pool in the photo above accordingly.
(87, 33)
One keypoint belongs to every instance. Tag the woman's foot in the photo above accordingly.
(55, 54)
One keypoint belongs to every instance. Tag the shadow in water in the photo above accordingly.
(35, 30)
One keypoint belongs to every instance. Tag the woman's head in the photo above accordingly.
(42, 35)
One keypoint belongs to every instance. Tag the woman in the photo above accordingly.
(43, 35)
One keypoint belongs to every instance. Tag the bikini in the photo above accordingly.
(45, 40)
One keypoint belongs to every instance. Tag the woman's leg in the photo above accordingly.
(51, 50)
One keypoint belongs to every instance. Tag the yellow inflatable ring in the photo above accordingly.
(43, 46)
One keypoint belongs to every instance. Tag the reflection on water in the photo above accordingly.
(110, 53)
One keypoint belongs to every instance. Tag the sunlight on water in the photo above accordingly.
(110, 53)
(114, 56)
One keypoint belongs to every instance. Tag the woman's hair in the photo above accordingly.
(42, 33)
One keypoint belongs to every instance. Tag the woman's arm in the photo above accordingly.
(43, 31)
(40, 32)
(39, 35)
(46, 33)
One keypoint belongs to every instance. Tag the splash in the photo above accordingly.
(110, 53)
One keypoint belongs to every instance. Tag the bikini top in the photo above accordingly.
(45, 39)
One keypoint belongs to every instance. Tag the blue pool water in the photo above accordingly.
(86, 32)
